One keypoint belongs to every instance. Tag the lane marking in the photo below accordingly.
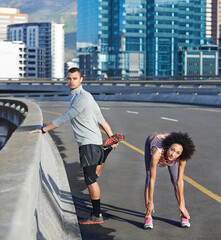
(202, 189)
(105, 108)
(133, 147)
(170, 119)
(187, 179)
(132, 112)
(52, 112)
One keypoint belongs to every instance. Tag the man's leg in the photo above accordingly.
(94, 191)
(99, 169)
(91, 174)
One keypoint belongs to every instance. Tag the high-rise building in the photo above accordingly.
(10, 16)
(171, 26)
(44, 48)
(219, 50)
(111, 37)
(139, 38)
(216, 20)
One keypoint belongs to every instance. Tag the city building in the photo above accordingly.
(203, 62)
(209, 18)
(44, 43)
(172, 25)
(215, 19)
(140, 38)
(70, 64)
(219, 51)
(10, 16)
(111, 37)
(12, 60)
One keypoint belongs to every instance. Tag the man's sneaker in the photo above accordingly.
(92, 220)
(184, 222)
(113, 139)
(148, 223)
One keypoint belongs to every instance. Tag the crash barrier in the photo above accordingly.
(12, 113)
(205, 92)
(36, 202)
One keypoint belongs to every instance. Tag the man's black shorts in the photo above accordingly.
(91, 154)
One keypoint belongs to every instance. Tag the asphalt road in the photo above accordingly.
(122, 180)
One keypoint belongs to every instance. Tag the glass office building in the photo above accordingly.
(173, 25)
(138, 38)
(111, 37)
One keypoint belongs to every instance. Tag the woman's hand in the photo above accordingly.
(184, 212)
(149, 209)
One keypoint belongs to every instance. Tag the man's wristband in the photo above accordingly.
(42, 130)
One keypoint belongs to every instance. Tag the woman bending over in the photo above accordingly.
(172, 151)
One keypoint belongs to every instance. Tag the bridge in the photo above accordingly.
(43, 199)
(190, 91)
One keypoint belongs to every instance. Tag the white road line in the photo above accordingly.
(132, 112)
(169, 119)
(105, 108)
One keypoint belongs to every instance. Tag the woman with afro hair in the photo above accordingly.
(172, 151)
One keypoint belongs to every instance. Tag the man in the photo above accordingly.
(86, 119)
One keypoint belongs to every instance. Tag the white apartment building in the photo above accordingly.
(57, 49)
(44, 48)
(10, 16)
(12, 60)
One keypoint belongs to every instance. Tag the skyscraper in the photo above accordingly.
(139, 38)
(111, 37)
(44, 42)
(10, 16)
(172, 25)
(216, 19)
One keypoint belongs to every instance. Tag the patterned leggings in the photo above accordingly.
(173, 170)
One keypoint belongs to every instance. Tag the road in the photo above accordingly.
(122, 180)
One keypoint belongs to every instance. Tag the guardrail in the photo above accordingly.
(182, 91)
(13, 110)
(36, 202)
(128, 78)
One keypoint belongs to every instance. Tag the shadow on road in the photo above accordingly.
(82, 200)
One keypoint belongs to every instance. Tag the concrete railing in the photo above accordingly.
(36, 202)
(205, 92)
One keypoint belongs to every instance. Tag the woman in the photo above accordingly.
(171, 150)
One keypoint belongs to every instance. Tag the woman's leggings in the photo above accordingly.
(173, 170)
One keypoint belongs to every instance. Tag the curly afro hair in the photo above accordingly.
(184, 140)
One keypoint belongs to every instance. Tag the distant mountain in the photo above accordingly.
(59, 11)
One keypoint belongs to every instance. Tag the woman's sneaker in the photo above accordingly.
(148, 223)
(184, 222)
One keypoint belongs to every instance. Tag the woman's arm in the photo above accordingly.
(180, 186)
(153, 166)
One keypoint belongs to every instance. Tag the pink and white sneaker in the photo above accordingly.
(148, 223)
(184, 222)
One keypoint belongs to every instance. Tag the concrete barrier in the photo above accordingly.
(35, 201)
(202, 92)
